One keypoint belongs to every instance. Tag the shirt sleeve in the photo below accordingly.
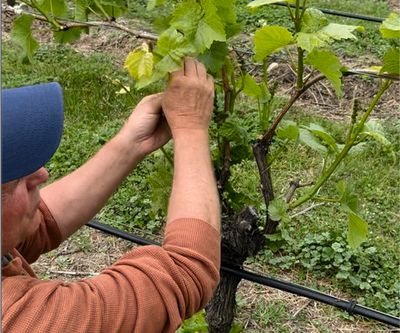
(151, 289)
(46, 238)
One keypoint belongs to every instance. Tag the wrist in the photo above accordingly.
(127, 145)
(189, 134)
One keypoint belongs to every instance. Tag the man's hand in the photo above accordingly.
(188, 100)
(147, 128)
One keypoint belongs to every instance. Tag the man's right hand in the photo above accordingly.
(188, 100)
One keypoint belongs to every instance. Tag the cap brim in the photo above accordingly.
(31, 128)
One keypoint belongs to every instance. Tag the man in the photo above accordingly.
(151, 289)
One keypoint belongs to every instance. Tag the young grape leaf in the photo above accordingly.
(327, 63)
(21, 33)
(265, 95)
(317, 33)
(67, 36)
(240, 153)
(162, 67)
(390, 28)
(324, 135)
(169, 40)
(161, 184)
(233, 131)
(186, 18)
(287, 129)
(353, 150)
(277, 209)
(82, 12)
(312, 141)
(258, 3)
(375, 130)
(196, 323)
(250, 86)
(210, 27)
(313, 21)
(349, 199)
(227, 14)
(391, 61)
(270, 39)
(139, 63)
(214, 57)
(233, 29)
(358, 230)
(54, 7)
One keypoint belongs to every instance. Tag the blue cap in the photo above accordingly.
(31, 128)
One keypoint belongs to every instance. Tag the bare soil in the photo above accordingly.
(73, 260)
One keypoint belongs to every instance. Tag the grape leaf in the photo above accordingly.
(327, 63)
(391, 59)
(277, 209)
(313, 20)
(210, 27)
(358, 230)
(228, 17)
(21, 33)
(233, 131)
(390, 28)
(375, 130)
(270, 39)
(312, 141)
(186, 18)
(214, 57)
(139, 63)
(162, 67)
(196, 323)
(169, 40)
(240, 153)
(161, 184)
(258, 3)
(68, 35)
(250, 86)
(287, 129)
(317, 33)
(82, 12)
(265, 95)
(233, 29)
(349, 199)
(55, 7)
(324, 135)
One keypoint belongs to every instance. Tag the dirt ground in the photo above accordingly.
(86, 254)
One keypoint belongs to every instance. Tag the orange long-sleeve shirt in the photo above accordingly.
(151, 289)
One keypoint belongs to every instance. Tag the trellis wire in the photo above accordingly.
(350, 306)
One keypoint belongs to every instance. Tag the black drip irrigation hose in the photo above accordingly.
(336, 13)
(350, 306)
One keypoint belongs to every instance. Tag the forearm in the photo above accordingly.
(194, 192)
(76, 198)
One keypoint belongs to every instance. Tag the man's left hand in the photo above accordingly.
(147, 127)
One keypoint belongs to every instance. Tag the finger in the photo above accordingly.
(190, 67)
(201, 71)
(162, 133)
(154, 99)
(175, 74)
(210, 81)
